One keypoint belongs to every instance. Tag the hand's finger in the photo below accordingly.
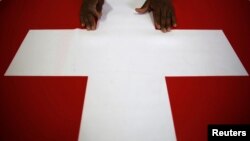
(87, 23)
(168, 20)
(163, 14)
(99, 6)
(156, 15)
(82, 21)
(173, 19)
(145, 8)
(168, 25)
(92, 22)
(95, 13)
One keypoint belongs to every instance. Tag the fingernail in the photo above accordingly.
(157, 26)
(138, 10)
(164, 30)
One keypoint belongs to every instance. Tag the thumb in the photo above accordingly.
(144, 8)
(96, 13)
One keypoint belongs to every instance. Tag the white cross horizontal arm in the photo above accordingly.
(78, 53)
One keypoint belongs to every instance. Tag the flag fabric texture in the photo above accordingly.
(50, 108)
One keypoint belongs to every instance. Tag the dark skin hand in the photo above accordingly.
(163, 13)
(90, 12)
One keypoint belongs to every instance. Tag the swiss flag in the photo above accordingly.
(50, 108)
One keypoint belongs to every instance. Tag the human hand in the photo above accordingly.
(90, 12)
(163, 13)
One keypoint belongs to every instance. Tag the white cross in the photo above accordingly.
(126, 62)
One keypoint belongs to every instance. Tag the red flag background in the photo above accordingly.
(49, 108)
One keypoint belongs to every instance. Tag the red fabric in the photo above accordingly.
(39, 108)
(199, 101)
